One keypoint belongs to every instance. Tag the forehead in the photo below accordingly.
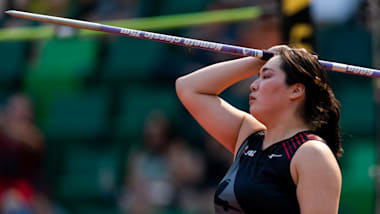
(273, 62)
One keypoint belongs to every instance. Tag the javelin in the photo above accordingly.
(192, 43)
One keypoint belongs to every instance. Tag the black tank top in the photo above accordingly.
(259, 181)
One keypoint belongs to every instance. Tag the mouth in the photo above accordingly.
(251, 99)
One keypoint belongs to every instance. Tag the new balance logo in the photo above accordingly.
(250, 153)
(274, 156)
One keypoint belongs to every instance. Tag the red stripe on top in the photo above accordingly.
(299, 143)
(290, 147)
(314, 137)
(245, 149)
(286, 150)
(294, 145)
(303, 140)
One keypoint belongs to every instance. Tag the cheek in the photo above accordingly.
(273, 95)
(273, 90)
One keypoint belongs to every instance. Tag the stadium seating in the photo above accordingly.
(354, 92)
(3, 97)
(88, 173)
(12, 62)
(137, 102)
(82, 115)
(359, 160)
(358, 113)
(61, 65)
(176, 7)
(131, 59)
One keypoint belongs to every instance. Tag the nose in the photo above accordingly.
(254, 86)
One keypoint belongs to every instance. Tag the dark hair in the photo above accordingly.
(321, 109)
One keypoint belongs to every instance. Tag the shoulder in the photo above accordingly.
(314, 147)
(318, 178)
(314, 152)
(311, 136)
(312, 157)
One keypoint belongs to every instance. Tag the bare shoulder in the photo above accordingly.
(317, 175)
(315, 156)
(314, 148)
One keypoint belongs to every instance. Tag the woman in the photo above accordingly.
(285, 150)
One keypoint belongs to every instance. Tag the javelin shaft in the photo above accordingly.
(192, 43)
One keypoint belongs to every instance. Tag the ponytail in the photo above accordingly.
(330, 131)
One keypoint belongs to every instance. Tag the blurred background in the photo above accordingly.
(90, 122)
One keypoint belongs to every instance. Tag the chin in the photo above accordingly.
(259, 115)
(254, 112)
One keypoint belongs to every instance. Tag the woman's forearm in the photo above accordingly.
(215, 78)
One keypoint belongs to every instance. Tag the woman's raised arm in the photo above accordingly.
(199, 90)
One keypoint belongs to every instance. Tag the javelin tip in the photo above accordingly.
(11, 12)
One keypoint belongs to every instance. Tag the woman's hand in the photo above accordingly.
(277, 48)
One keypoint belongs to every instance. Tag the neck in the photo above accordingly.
(277, 131)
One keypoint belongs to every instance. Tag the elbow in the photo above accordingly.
(179, 83)
(185, 89)
(180, 87)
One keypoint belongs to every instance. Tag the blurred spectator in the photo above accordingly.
(148, 186)
(187, 172)
(195, 175)
(186, 166)
(21, 148)
(165, 173)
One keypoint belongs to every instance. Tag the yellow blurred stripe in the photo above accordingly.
(150, 23)
(291, 7)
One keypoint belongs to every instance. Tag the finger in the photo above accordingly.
(278, 48)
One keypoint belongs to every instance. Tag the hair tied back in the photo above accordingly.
(318, 81)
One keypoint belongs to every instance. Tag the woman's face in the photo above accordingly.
(270, 95)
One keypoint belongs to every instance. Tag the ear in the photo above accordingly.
(297, 91)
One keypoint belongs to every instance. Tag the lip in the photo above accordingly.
(251, 99)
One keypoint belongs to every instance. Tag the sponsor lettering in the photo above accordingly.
(359, 70)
